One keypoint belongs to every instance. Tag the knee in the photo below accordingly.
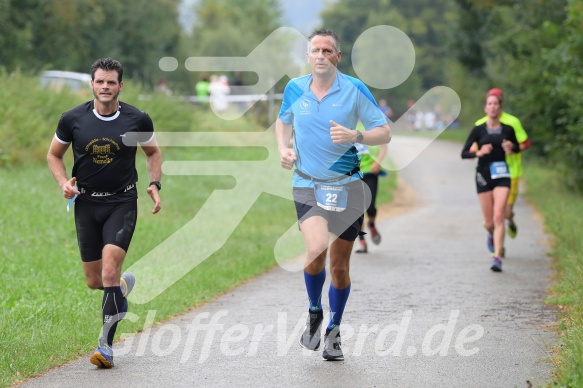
(499, 219)
(339, 271)
(93, 281)
(109, 275)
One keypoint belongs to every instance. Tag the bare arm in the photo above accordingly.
(154, 166)
(57, 166)
(283, 134)
(376, 166)
(376, 136)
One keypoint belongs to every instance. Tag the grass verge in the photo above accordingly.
(562, 210)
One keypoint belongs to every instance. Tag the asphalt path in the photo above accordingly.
(424, 310)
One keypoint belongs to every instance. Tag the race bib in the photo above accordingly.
(331, 197)
(499, 170)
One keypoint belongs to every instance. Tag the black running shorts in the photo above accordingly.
(485, 183)
(101, 224)
(346, 224)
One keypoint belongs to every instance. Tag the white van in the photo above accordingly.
(75, 82)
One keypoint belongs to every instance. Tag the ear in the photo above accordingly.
(121, 85)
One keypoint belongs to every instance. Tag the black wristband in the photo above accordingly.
(157, 184)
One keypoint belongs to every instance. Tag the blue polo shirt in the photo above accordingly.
(347, 100)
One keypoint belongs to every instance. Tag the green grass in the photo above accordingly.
(562, 210)
(49, 316)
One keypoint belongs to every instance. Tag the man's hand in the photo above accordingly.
(340, 134)
(287, 157)
(153, 192)
(69, 190)
(375, 168)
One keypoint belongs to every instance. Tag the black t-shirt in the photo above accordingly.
(481, 134)
(102, 161)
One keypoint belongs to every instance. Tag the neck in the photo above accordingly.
(107, 108)
(493, 122)
(322, 83)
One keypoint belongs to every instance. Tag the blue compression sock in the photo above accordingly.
(314, 286)
(337, 299)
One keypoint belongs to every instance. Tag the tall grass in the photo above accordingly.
(562, 210)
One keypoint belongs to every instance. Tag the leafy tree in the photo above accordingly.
(71, 34)
(16, 20)
(233, 28)
(426, 23)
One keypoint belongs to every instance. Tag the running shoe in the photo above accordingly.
(310, 339)
(332, 350)
(512, 229)
(103, 356)
(374, 234)
(362, 248)
(496, 264)
(127, 283)
(490, 243)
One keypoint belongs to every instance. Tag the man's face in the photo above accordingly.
(322, 55)
(105, 85)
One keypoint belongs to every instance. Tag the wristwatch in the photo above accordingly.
(157, 184)
(359, 137)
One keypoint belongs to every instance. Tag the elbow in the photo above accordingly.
(388, 135)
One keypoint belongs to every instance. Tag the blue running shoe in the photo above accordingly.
(102, 357)
(490, 243)
(496, 264)
(127, 283)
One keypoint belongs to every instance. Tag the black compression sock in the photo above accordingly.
(111, 311)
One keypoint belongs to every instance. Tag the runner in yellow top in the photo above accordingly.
(514, 160)
(371, 158)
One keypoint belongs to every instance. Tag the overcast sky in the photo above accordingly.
(302, 15)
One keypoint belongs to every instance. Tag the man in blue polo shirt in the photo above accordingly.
(320, 110)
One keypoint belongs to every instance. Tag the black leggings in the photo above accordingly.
(372, 182)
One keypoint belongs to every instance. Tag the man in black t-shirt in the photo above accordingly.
(104, 134)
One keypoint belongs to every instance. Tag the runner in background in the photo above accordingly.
(371, 158)
(514, 160)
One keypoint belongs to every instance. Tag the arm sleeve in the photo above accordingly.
(512, 138)
(466, 153)
(290, 95)
(368, 110)
(146, 129)
(64, 133)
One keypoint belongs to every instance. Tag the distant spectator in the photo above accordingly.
(219, 89)
(202, 89)
(385, 108)
(162, 87)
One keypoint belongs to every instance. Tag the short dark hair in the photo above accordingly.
(107, 64)
(326, 32)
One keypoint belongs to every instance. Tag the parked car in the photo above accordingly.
(75, 82)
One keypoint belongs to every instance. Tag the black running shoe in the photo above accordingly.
(310, 339)
(332, 350)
